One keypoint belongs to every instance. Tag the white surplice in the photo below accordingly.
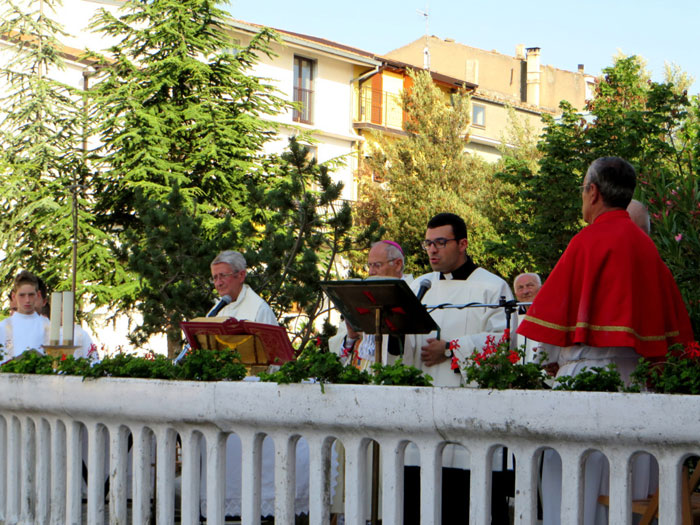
(468, 327)
(250, 307)
(21, 332)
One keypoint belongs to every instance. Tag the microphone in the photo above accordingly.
(425, 285)
(226, 299)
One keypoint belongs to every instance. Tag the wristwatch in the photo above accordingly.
(448, 351)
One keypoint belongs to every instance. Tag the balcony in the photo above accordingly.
(378, 109)
(147, 436)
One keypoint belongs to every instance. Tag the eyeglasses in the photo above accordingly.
(439, 243)
(377, 265)
(222, 276)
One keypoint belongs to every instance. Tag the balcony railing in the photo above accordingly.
(127, 428)
(380, 108)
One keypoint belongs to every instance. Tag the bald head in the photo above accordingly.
(639, 215)
(526, 286)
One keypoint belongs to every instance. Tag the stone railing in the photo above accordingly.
(126, 429)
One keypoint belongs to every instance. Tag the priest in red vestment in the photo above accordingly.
(610, 288)
(609, 299)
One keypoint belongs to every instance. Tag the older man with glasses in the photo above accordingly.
(385, 259)
(228, 271)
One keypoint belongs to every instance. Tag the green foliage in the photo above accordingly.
(182, 129)
(198, 365)
(428, 172)
(325, 367)
(154, 366)
(312, 363)
(211, 365)
(43, 165)
(29, 362)
(69, 365)
(171, 256)
(594, 379)
(545, 208)
(656, 128)
(678, 374)
(513, 176)
(298, 231)
(498, 367)
(400, 375)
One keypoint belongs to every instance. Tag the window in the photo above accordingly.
(478, 115)
(234, 48)
(303, 89)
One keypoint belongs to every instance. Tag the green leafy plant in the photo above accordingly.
(400, 374)
(499, 367)
(594, 379)
(211, 365)
(678, 374)
(29, 362)
(324, 367)
(69, 365)
(153, 365)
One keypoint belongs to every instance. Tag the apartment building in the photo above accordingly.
(320, 76)
(501, 81)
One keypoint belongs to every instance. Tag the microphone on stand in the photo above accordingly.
(226, 299)
(425, 285)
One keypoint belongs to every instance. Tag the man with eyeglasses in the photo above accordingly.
(385, 259)
(609, 299)
(456, 279)
(228, 271)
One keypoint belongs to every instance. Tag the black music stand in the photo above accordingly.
(379, 306)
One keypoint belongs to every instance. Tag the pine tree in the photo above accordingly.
(297, 235)
(171, 258)
(178, 109)
(43, 125)
(428, 172)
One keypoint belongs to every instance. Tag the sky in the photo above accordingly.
(589, 32)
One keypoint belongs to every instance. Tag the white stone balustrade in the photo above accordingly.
(41, 450)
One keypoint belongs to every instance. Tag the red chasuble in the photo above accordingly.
(610, 288)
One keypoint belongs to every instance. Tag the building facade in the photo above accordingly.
(520, 82)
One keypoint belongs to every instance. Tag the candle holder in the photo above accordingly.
(58, 351)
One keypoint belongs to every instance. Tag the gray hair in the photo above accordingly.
(615, 179)
(536, 277)
(392, 252)
(234, 259)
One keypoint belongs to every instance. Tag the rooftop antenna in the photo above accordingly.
(426, 50)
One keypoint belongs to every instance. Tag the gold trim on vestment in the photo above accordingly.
(598, 328)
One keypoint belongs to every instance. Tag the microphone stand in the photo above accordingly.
(509, 306)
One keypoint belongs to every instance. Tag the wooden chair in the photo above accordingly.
(649, 508)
